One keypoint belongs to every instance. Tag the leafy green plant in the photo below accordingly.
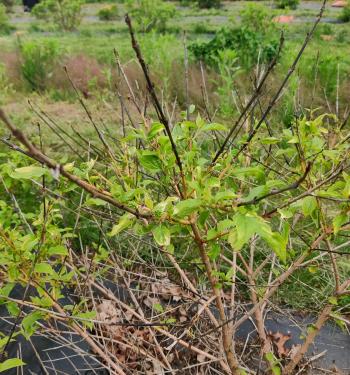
(65, 14)
(345, 14)
(228, 68)
(325, 72)
(287, 4)
(108, 13)
(5, 27)
(254, 40)
(209, 3)
(257, 18)
(38, 62)
(249, 45)
(6, 87)
(8, 4)
(150, 14)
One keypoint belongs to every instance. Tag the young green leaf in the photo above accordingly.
(44, 268)
(214, 251)
(30, 323)
(156, 128)
(308, 205)
(125, 222)
(213, 127)
(161, 235)
(32, 171)
(58, 250)
(150, 161)
(338, 221)
(11, 363)
(187, 207)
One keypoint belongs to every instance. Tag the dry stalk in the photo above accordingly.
(227, 339)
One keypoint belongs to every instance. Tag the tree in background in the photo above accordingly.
(209, 3)
(287, 4)
(65, 14)
(8, 4)
(150, 14)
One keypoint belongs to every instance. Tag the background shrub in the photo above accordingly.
(345, 15)
(65, 14)
(248, 45)
(150, 14)
(38, 62)
(285, 4)
(8, 4)
(209, 3)
(108, 13)
(257, 18)
(4, 21)
(254, 39)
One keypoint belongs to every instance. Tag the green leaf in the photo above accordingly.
(30, 323)
(256, 192)
(156, 128)
(150, 161)
(273, 363)
(312, 269)
(44, 268)
(308, 205)
(225, 196)
(311, 329)
(158, 308)
(214, 251)
(32, 171)
(294, 139)
(125, 222)
(85, 317)
(269, 140)
(338, 221)
(57, 250)
(257, 172)
(276, 370)
(285, 213)
(6, 339)
(95, 202)
(187, 207)
(224, 225)
(246, 225)
(278, 244)
(11, 363)
(12, 308)
(213, 127)
(161, 235)
(212, 233)
(333, 300)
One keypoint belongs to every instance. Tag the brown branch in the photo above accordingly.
(227, 339)
(292, 186)
(37, 155)
(277, 282)
(335, 174)
(152, 92)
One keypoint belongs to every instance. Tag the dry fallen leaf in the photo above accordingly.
(279, 340)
